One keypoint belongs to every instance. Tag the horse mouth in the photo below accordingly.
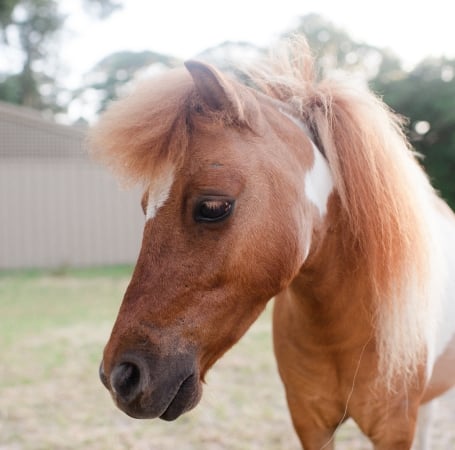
(166, 404)
(186, 398)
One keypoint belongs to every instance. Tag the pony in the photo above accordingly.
(289, 187)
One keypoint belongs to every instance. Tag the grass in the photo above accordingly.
(53, 327)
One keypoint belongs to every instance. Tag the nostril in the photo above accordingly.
(125, 380)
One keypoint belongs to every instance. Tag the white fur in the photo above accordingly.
(445, 229)
(159, 192)
(440, 314)
(318, 180)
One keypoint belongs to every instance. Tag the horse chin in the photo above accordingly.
(186, 398)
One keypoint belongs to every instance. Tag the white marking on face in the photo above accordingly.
(159, 192)
(318, 180)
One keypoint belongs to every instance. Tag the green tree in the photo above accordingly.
(36, 24)
(426, 96)
(6, 12)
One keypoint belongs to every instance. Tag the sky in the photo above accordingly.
(411, 28)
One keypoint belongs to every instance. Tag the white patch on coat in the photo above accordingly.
(445, 232)
(318, 180)
(435, 315)
(159, 191)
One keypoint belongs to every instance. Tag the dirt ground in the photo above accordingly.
(51, 398)
(243, 408)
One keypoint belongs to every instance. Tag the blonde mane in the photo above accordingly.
(133, 136)
(384, 196)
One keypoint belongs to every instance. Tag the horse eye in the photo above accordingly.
(213, 210)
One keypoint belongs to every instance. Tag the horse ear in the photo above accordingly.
(217, 92)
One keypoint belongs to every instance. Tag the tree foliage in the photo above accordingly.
(336, 51)
(426, 96)
(6, 12)
(115, 71)
(35, 25)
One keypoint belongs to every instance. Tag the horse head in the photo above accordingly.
(229, 218)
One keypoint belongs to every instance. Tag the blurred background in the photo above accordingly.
(63, 62)
(69, 235)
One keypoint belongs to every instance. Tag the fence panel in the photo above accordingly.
(58, 208)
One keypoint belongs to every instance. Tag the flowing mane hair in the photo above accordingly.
(384, 196)
(382, 190)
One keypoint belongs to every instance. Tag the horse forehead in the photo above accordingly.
(159, 190)
(318, 182)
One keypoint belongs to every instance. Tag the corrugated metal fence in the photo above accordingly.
(58, 208)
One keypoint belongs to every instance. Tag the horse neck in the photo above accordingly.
(330, 294)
